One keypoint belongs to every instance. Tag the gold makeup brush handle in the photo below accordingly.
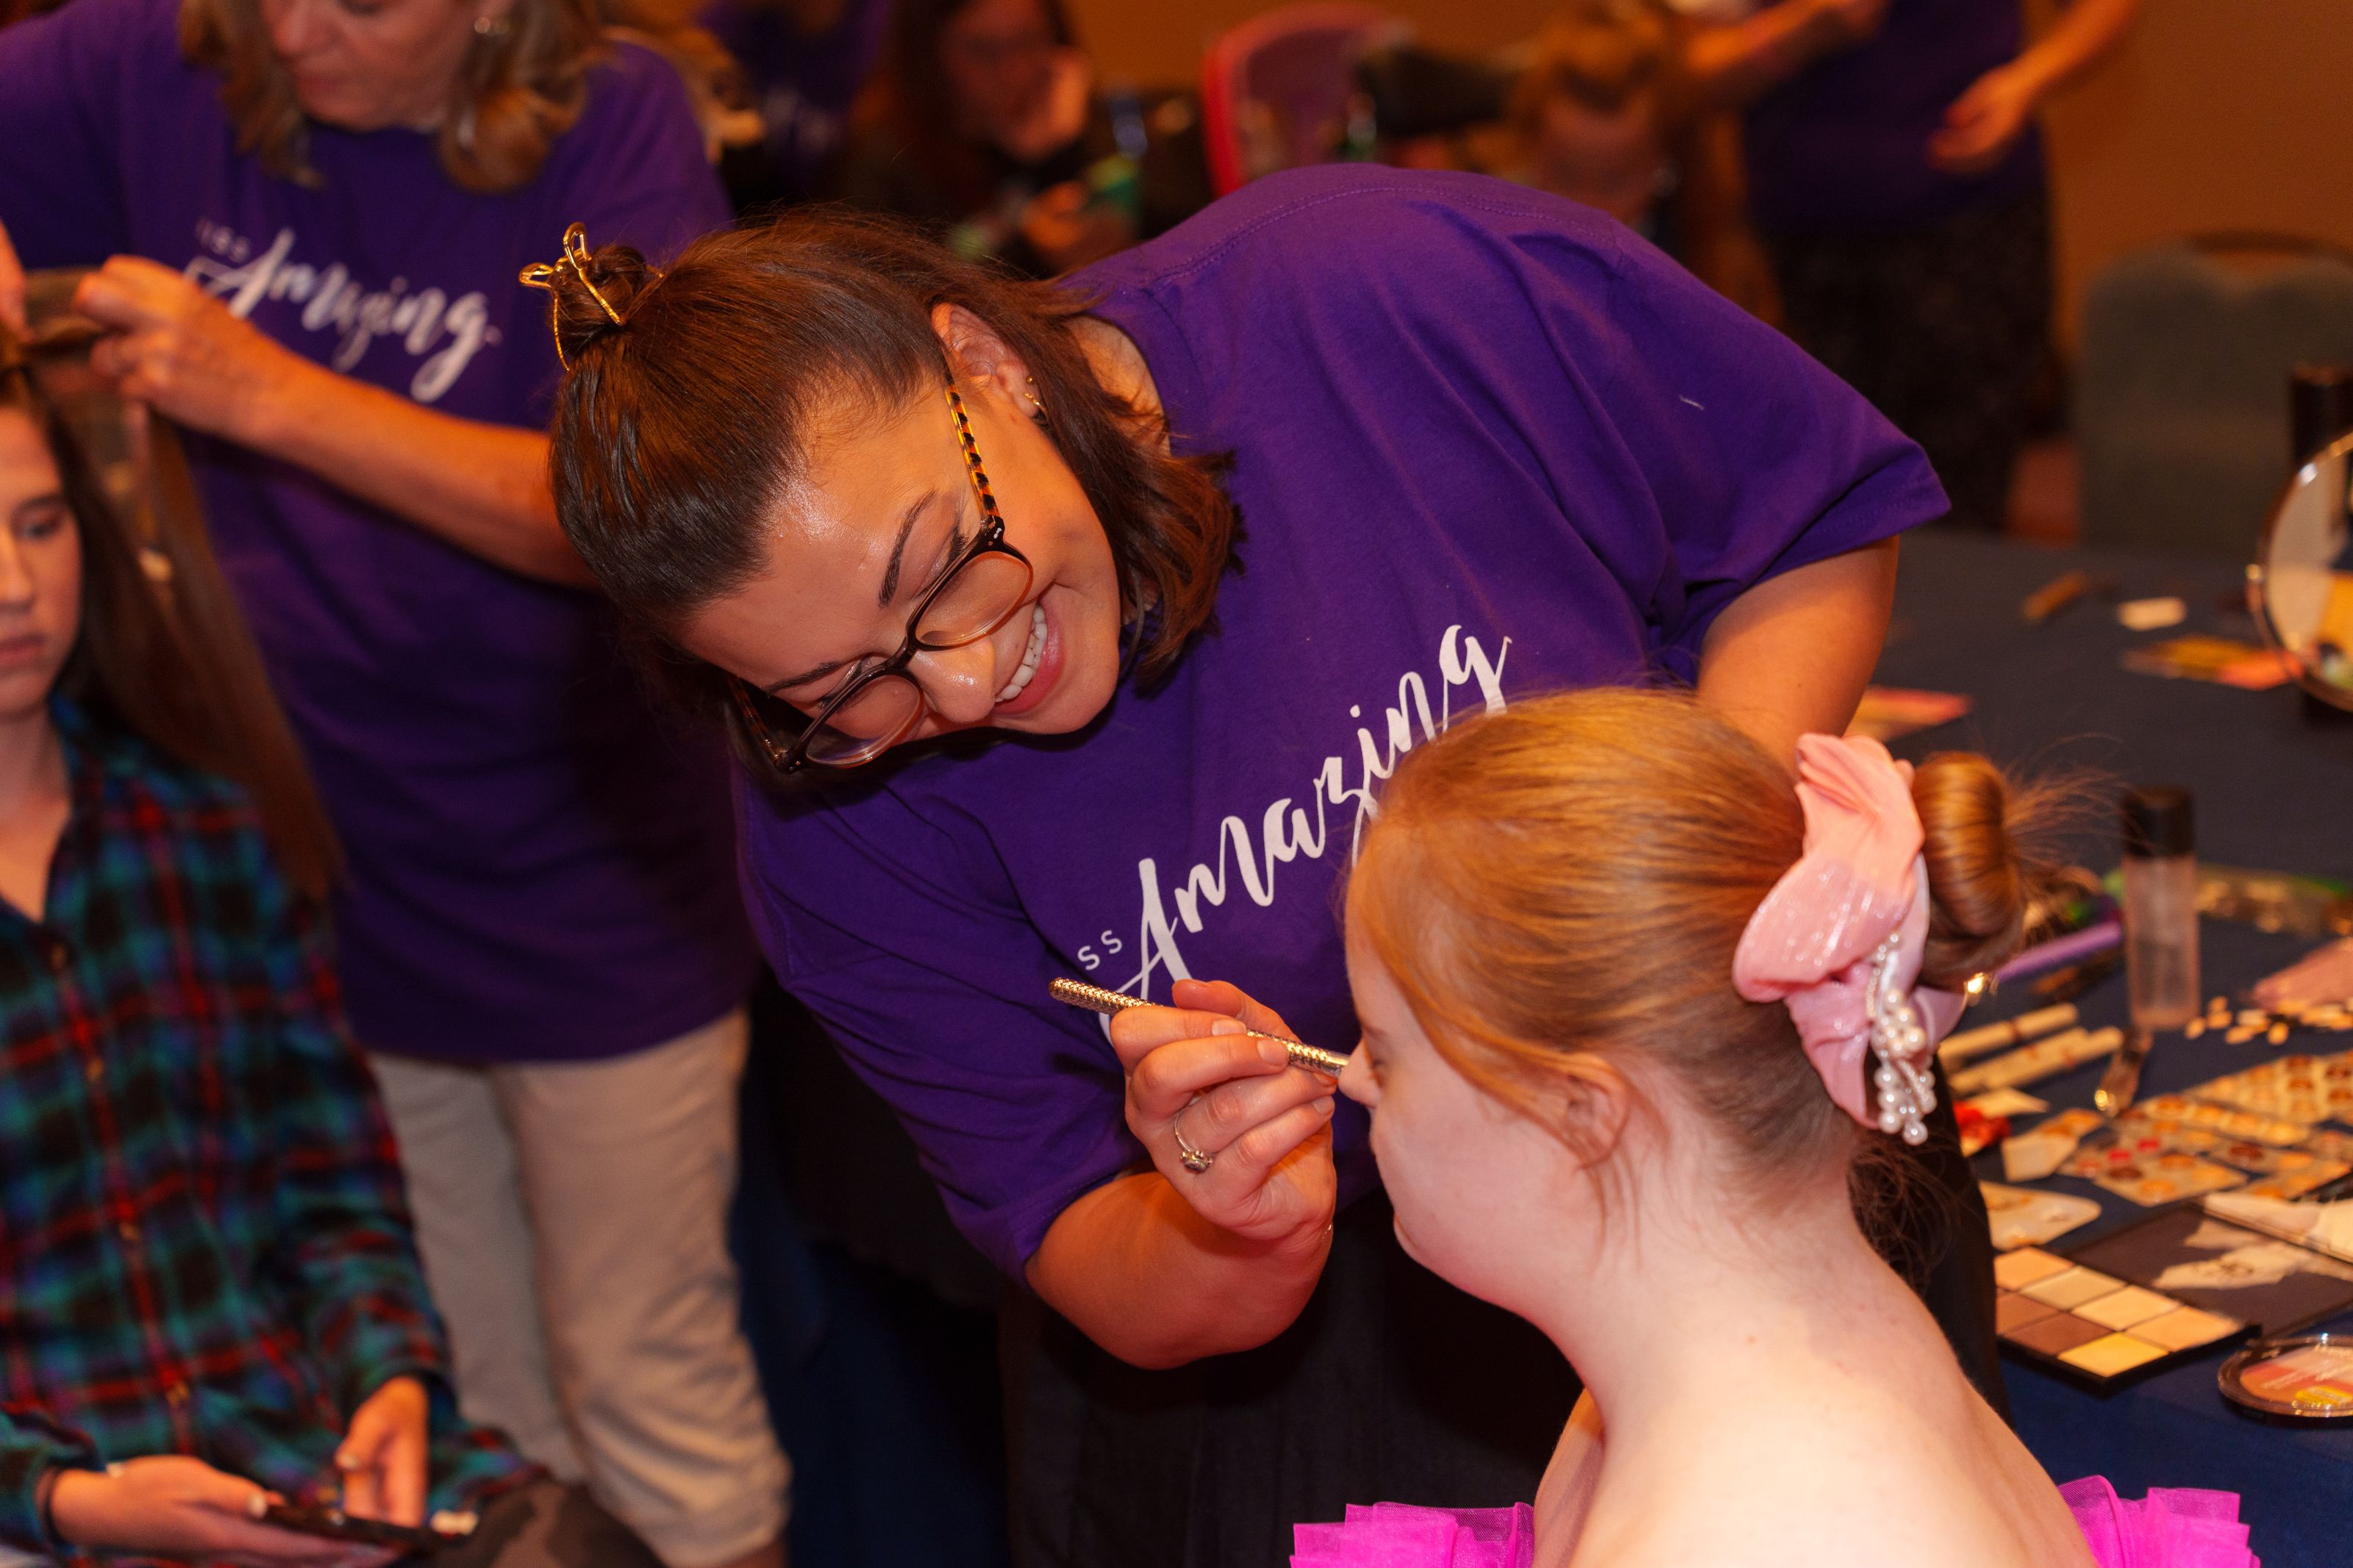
(1095, 999)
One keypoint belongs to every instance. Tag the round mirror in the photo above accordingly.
(2301, 584)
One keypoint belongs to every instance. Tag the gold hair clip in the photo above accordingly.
(543, 275)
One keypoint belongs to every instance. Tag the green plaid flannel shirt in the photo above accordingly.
(204, 1244)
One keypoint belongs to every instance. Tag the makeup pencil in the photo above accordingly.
(1095, 999)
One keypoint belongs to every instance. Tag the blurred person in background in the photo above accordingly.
(214, 1295)
(1602, 114)
(986, 125)
(307, 220)
(803, 62)
(1896, 171)
(1594, 113)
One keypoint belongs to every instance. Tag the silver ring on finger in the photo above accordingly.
(1195, 1160)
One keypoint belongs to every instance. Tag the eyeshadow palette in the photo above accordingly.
(2293, 1089)
(2171, 1111)
(2271, 1284)
(2162, 1178)
(2309, 1379)
(2092, 1327)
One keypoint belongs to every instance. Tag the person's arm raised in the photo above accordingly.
(1984, 123)
(1730, 65)
(481, 487)
(1791, 655)
(1166, 1265)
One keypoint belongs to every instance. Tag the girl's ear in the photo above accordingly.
(1588, 1107)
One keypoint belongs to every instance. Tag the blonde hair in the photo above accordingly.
(517, 90)
(1556, 891)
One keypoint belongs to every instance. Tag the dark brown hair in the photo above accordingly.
(675, 435)
(1558, 888)
(517, 90)
(909, 102)
(163, 651)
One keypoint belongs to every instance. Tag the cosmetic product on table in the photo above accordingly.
(2323, 1227)
(2295, 1088)
(1973, 1043)
(2121, 1083)
(2032, 1155)
(2160, 907)
(2306, 1379)
(2045, 1057)
(1095, 999)
(2095, 1328)
(2160, 916)
(2272, 1284)
(2054, 596)
(2004, 1102)
(2024, 1218)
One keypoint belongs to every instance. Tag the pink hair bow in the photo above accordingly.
(1838, 940)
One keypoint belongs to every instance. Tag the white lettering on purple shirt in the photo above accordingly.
(1286, 832)
(444, 334)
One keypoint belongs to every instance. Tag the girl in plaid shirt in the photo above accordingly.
(209, 1294)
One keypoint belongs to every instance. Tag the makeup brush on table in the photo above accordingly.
(1095, 999)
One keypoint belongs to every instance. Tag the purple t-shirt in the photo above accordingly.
(539, 868)
(1486, 444)
(1843, 147)
(804, 85)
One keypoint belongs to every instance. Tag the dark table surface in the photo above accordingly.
(2274, 790)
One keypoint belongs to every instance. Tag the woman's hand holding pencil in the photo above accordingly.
(1216, 1094)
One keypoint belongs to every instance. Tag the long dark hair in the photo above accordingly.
(675, 434)
(908, 100)
(163, 652)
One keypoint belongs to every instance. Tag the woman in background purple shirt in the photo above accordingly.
(1897, 173)
(1117, 601)
(308, 217)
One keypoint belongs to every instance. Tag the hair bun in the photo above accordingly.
(1981, 838)
(593, 293)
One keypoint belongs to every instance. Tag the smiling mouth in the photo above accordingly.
(1030, 654)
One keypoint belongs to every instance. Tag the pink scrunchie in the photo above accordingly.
(1810, 943)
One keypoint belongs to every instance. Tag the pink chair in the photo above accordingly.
(1275, 91)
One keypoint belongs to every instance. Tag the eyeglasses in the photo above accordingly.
(878, 707)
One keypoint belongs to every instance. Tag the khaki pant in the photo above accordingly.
(572, 1217)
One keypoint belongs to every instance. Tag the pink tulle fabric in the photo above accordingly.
(2172, 1527)
(1398, 1535)
(2169, 1529)
(1809, 944)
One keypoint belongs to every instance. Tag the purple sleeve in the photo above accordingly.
(933, 984)
(1759, 458)
(65, 90)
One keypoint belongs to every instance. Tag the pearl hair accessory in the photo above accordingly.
(1840, 938)
(1907, 1090)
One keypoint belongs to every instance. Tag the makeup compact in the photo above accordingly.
(2095, 1328)
(2308, 1379)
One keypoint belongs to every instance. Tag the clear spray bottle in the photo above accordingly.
(2160, 867)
